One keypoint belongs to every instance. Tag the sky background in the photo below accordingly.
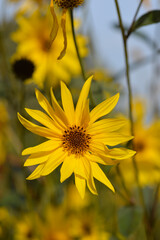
(109, 47)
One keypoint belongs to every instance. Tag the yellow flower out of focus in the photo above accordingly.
(65, 5)
(75, 139)
(147, 146)
(33, 41)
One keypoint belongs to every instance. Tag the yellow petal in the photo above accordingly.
(85, 115)
(106, 125)
(47, 107)
(67, 102)
(111, 139)
(95, 158)
(58, 110)
(103, 108)
(91, 185)
(99, 153)
(36, 158)
(43, 147)
(54, 160)
(43, 119)
(120, 153)
(44, 103)
(82, 100)
(80, 185)
(100, 176)
(55, 26)
(79, 168)
(88, 172)
(42, 131)
(36, 173)
(63, 26)
(67, 168)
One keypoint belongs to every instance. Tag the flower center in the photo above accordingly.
(23, 68)
(75, 140)
(68, 3)
(139, 146)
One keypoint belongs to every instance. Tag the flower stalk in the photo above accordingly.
(124, 37)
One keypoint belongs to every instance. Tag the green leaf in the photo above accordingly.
(147, 19)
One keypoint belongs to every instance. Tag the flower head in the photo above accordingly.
(75, 138)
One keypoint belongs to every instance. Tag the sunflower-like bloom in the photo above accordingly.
(76, 139)
(32, 37)
(65, 5)
(147, 145)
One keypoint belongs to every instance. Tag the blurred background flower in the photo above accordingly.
(33, 39)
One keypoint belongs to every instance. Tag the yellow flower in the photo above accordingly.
(147, 146)
(33, 41)
(65, 5)
(76, 139)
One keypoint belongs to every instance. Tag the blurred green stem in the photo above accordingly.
(124, 37)
(123, 182)
(78, 55)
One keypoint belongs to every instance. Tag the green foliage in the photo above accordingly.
(147, 19)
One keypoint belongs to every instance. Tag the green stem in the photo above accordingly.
(134, 19)
(127, 65)
(136, 172)
(122, 180)
(78, 55)
(76, 45)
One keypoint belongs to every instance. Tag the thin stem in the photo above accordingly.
(122, 180)
(130, 112)
(127, 65)
(79, 57)
(134, 19)
(76, 45)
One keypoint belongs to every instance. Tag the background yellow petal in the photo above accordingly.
(55, 26)
(63, 26)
